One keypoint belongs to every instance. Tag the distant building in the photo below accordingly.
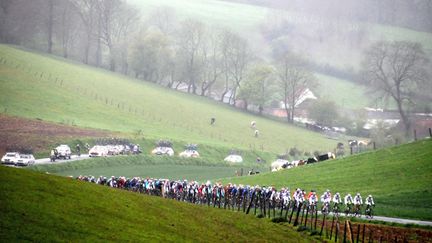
(302, 104)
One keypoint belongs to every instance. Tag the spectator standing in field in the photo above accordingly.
(78, 150)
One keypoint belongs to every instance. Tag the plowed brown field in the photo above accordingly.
(36, 135)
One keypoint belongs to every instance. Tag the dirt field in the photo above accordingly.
(35, 135)
(377, 232)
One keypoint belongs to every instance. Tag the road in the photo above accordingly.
(73, 158)
(400, 221)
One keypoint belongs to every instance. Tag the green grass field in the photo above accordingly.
(349, 95)
(151, 166)
(47, 208)
(58, 90)
(399, 178)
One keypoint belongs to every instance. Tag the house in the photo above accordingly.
(304, 101)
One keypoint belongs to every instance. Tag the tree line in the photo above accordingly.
(159, 48)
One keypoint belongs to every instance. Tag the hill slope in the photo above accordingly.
(54, 89)
(399, 178)
(37, 207)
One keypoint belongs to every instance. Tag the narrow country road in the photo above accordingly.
(400, 221)
(73, 158)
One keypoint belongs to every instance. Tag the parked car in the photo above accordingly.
(191, 151)
(163, 151)
(188, 153)
(98, 151)
(234, 158)
(10, 158)
(63, 152)
(25, 160)
(163, 147)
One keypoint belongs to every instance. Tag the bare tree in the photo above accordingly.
(293, 80)
(236, 56)
(68, 22)
(396, 70)
(212, 62)
(190, 46)
(50, 23)
(86, 9)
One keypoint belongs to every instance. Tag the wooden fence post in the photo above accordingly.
(331, 228)
(345, 231)
(298, 214)
(337, 231)
(287, 210)
(307, 212)
(323, 223)
(358, 233)
(415, 135)
(350, 232)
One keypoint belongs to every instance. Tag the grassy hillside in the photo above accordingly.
(38, 207)
(54, 89)
(349, 95)
(399, 178)
(150, 166)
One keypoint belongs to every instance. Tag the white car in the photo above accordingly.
(10, 158)
(64, 151)
(163, 151)
(25, 160)
(234, 158)
(189, 154)
(98, 151)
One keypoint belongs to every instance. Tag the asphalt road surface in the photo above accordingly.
(400, 221)
(73, 158)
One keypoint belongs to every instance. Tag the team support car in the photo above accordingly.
(191, 151)
(163, 147)
(10, 158)
(25, 160)
(234, 158)
(98, 151)
(63, 152)
(163, 151)
(188, 153)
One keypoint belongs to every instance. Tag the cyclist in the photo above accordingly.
(326, 199)
(348, 200)
(369, 205)
(358, 202)
(337, 200)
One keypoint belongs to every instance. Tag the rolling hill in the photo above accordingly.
(246, 19)
(399, 178)
(57, 90)
(39, 207)
(329, 43)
